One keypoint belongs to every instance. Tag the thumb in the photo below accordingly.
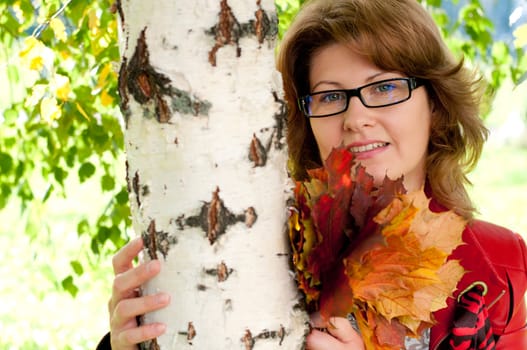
(338, 327)
(341, 328)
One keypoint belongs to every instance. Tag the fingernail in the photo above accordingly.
(163, 298)
(160, 328)
(151, 265)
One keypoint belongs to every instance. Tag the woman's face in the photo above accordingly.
(388, 140)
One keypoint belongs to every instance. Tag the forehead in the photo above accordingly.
(341, 65)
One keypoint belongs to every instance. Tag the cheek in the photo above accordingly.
(327, 134)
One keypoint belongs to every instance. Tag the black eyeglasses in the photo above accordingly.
(374, 95)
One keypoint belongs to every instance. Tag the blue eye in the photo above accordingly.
(386, 87)
(331, 97)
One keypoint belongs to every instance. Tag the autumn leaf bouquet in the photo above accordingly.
(378, 253)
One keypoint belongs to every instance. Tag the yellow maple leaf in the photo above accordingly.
(104, 74)
(106, 99)
(440, 230)
(62, 86)
(58, 28)
(31, 56)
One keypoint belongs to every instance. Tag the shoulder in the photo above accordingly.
(502, 247)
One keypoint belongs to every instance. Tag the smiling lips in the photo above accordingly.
(368, 147)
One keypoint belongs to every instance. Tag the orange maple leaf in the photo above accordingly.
(406, 276)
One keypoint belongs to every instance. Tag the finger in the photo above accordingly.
(317, 340)
(339, 327)
(129, 309)
(126, 283)
(137, 335)
(342, 329)
(122, 261)
(317, 320)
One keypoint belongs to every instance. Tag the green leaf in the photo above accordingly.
(107, 183)
(115, 236)
(83, 227)
(10, 116)
(103, 234)
(122, 196)
(6, 163)
(5, 192)
(77, 267)
(59, 174)
(95, 246)
(69, 286)
(48, 193)
(86, 171)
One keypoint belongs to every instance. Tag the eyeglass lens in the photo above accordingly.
(379, 94)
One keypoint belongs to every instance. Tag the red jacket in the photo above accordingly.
(498, 258)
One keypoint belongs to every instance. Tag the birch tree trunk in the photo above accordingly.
(206, 170)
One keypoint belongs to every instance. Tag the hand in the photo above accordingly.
(126, 304)
(341, 335)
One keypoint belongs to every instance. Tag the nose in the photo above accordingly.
(357, 116)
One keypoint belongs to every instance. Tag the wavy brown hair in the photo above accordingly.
(395, 35)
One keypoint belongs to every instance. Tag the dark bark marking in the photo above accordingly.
(249, 340)
(216, 215)
(123, 92)
(155, 241)
(149, 239)
(191, 333)
(280, 118)
(257, 152)
(144, 83)
(214, 218)
(127, 176)
(228, 305)
(226, 32)
(221, 271)
(184, 103)
(202, 287)
(264, 27)
(135, 188)
(145, 191)
(250, 217)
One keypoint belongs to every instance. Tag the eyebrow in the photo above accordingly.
(368, 80)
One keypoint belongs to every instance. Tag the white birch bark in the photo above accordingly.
(190, 126)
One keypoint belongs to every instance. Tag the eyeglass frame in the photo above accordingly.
(412, 83)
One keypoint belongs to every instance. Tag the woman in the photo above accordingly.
(375, 75)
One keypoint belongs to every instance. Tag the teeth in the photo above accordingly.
(368, 147)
